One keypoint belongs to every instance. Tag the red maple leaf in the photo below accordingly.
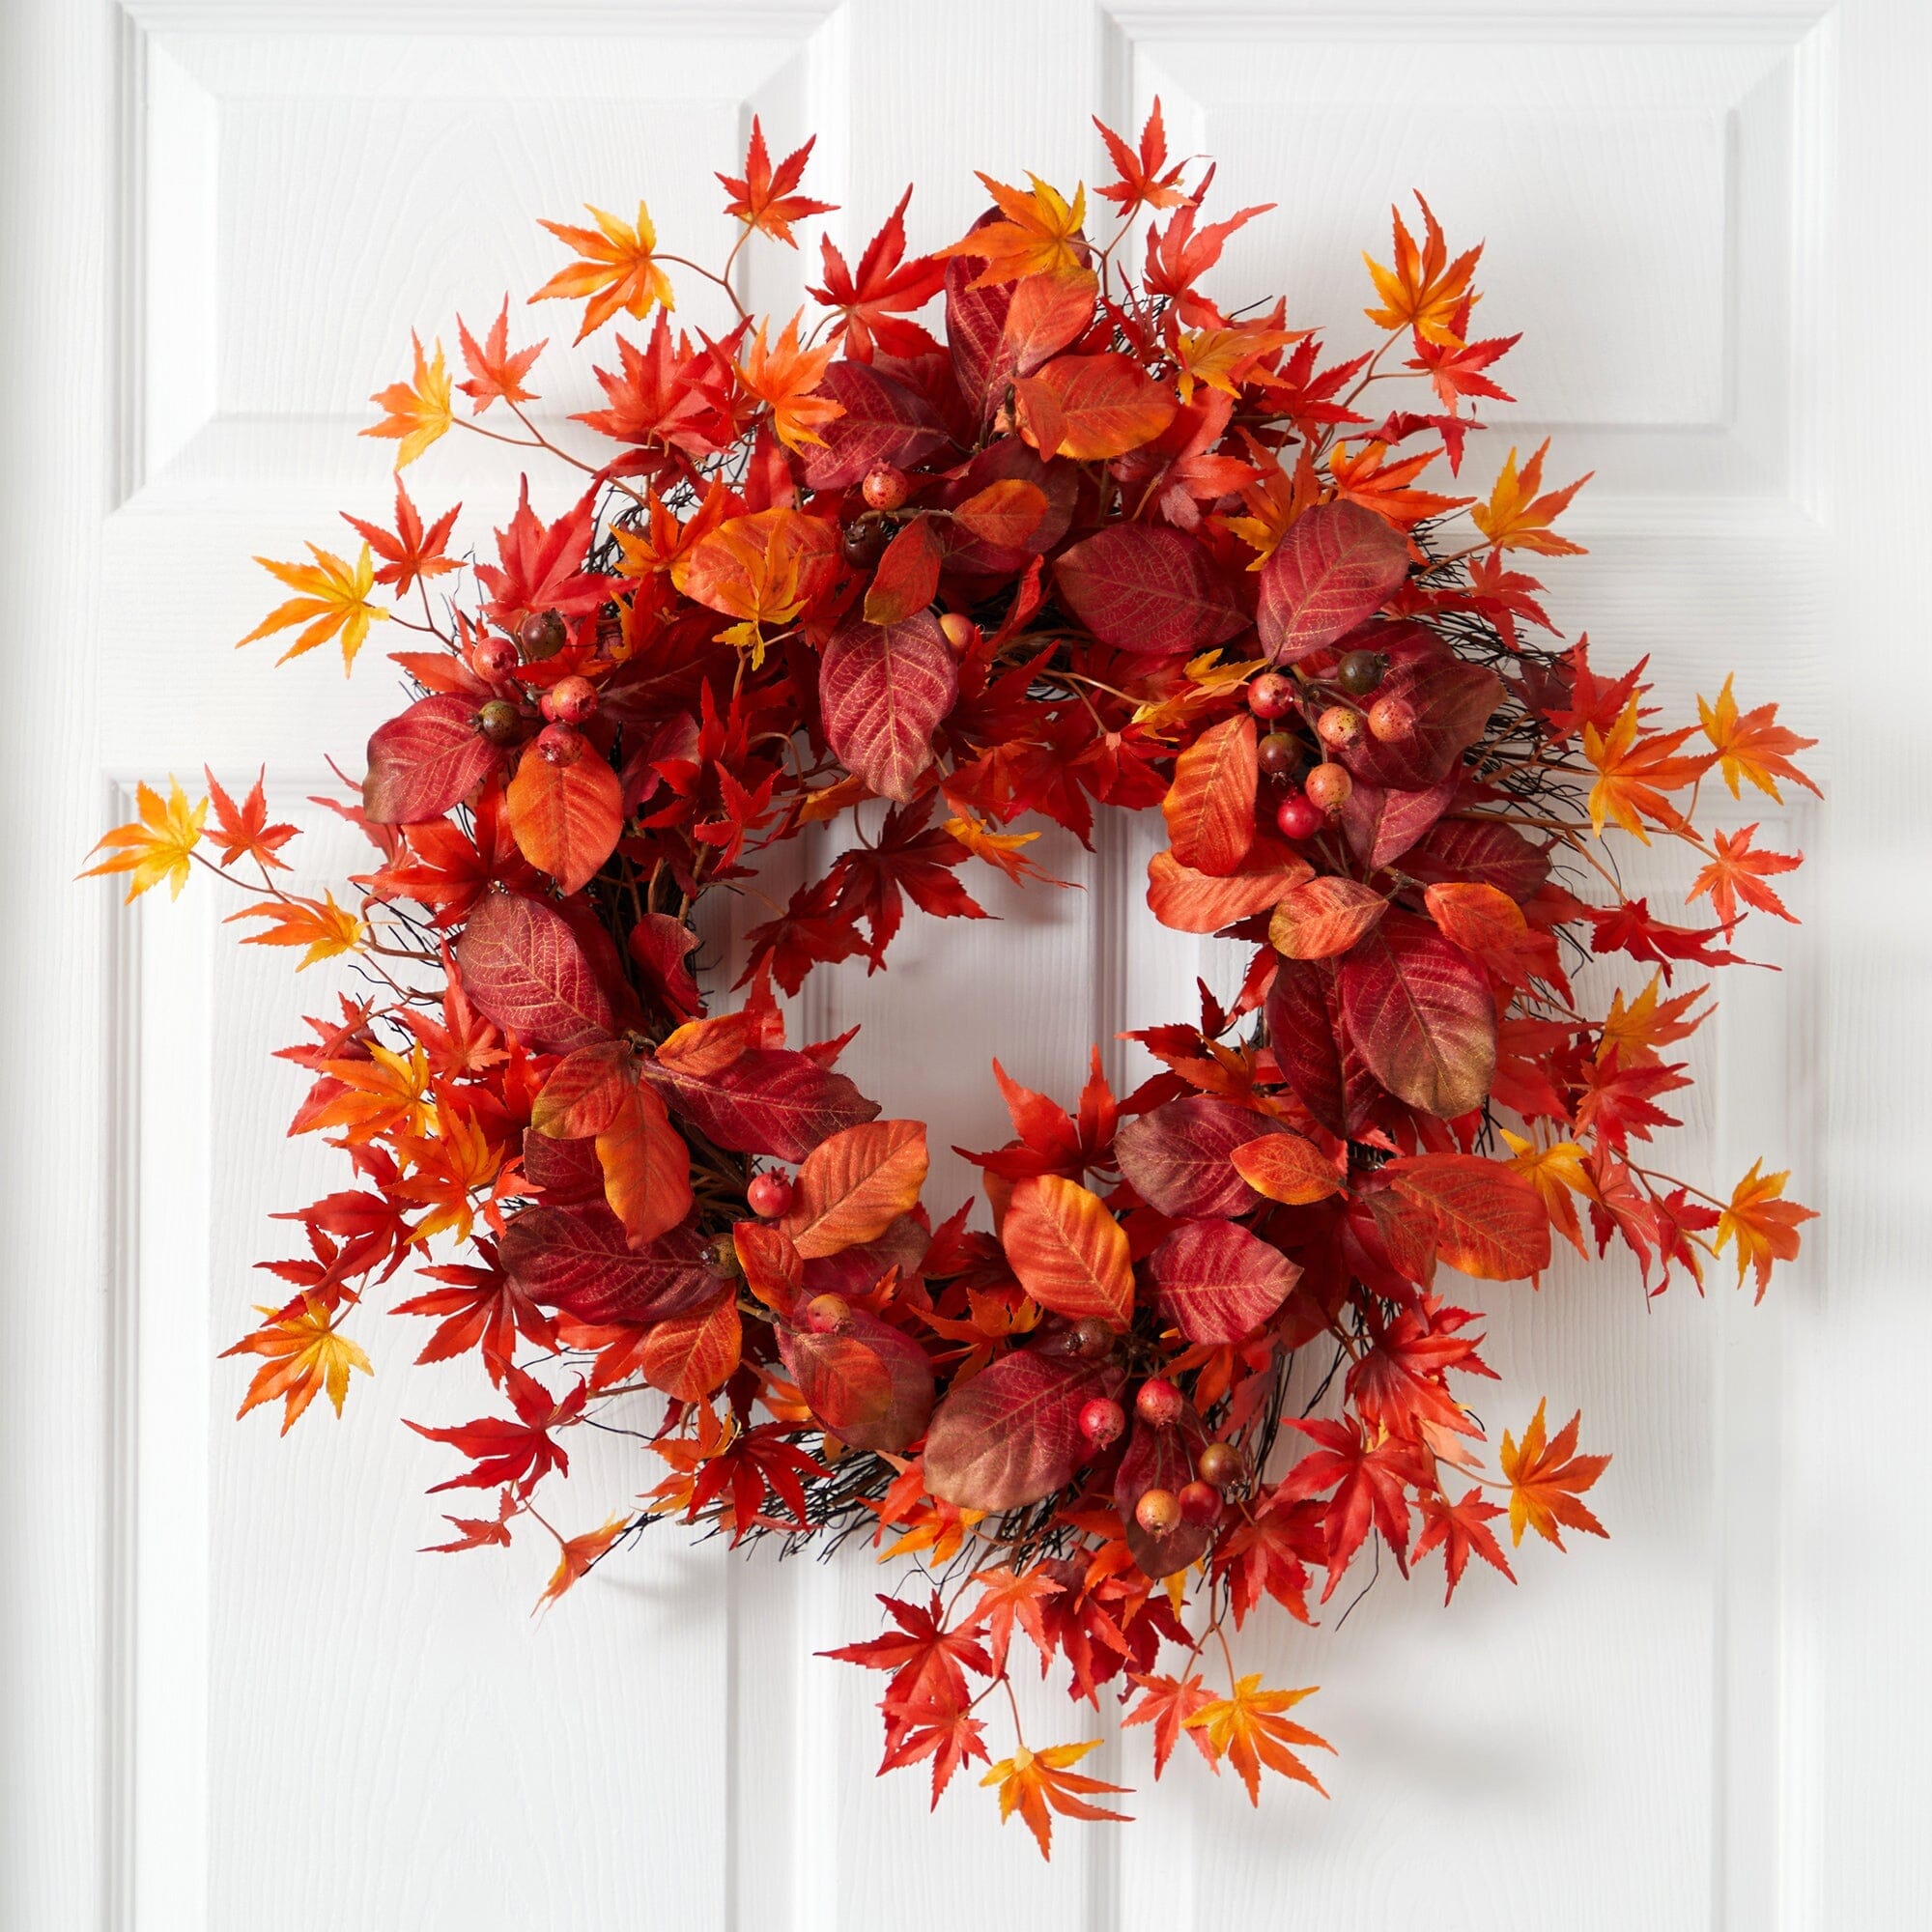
(1458, 1529)
(494, 368)
(542, 564)
(764, 198)
(412, 552)
(519, 1452)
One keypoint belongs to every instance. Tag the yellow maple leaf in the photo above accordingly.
(1424, 290)
(617, 270)
(305, 1353)
(323, 927)
(154, 846)
(1220, 357)
(1029, 1781)
(1556, 1172)
(1519, 511)
(1247, 1729)
(1764, 1225)
(1633, 773)
(1038, 235)
(1635, 1031)
(334, 598)
(784, 375)
(1752, 745)
(419, 410)
(1547, 1479)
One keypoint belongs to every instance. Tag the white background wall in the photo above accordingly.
(231, 1694)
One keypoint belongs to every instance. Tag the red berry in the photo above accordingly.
(542, 635)
(1278, 755)
(1158, 1402)
(1339, 726)
(962, 632)
(1391, 719)
(570, 700)
(1297, 817)
(1091, 1338)
(1200, 1503)
(1157, 1512)
(494, 657)
(768, 1196)
(827, 1313)
(1102, 1420)
(1328, 788)
(561, 745)
(1220, 1463)
(885, 486)
(1271, 695)
(1360, 672)
(500, 721)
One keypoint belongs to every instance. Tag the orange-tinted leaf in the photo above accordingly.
(1338, 565)
(566, 819)
(1209, 807)
(908, 574)
(1547, 1479)
(1322, 917)
(156, 846)
(1093, 407)
(1752, 745)
(1490, 1221)
(1248, 1730)
(1031, 1782)
(1070, 1253)
(688, 1357)
(616, 269)
(1764, 1225)
(646, 1167)
(855, 1185)
(1187, 900)
(1006, 512)
(1289, 1168)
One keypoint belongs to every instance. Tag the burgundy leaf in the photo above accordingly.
(1451, 701)
(424, 760)
(1157, 1458)
(1176, 1159)
(1147, 589)
(1338, 565)
(883, 690)
(1483, 854)
(884, 422)
(1421, 1013)
(870, 1385)
(770, 1100)
(522, 966)
(1216, 1282)
(1013, 1433)
(1311, 1047)
(578, 1259)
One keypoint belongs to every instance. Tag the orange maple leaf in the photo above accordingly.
(494, 369)
(1633, 773)
(1029, 1781)
(1556, 1172)
(1248, 1731)
(1038, 237)
(156, 846)
(764, 199)
(784, 375)
(1737, 872)
(306, 1354)
(1367, 477)
(1547, 1479)
(1146, 180)
(323, 927)
(333, 601)
(1753, 744)
(1634, 1032)
(419, 410)
(243, 831)
(1168, 1703)
(1765, 1227)
(1425, 289)
(578, 1554)
(1517, 518)
(617, 270)
(1007, 1596)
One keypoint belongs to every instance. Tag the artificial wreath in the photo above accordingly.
(1099, 543)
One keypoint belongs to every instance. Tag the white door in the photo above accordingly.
(233, 1695)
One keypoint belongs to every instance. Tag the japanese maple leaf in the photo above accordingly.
(764, 199)
(1247, 1729)
(1031, 1781)
(1556, 1172)
(577, 1554)
(1737, 872)
(481, 1308)
(1366, 476)
(155, 845)
(1006, 850)
(1455, 367)
(369, 1227)
(505, 1451)
(1170, 1704)
(1517, 517)
(653, 398)
(1752, 745)
(306, 1354)
(784, 375)
(410, 553)
(1576, 697)
(946, 1733)
(616, 269)
(1226, 358)
(756, 1464)
(324, 928)
(1424, 290)
(1637, 1029)
(1039, 235)
(541, 565)
(495, 370)
(1146, 180)
(1547, 1479)
(1309, 396)
(1764, 1227)
(1268, 1555)
(331, 600)
(928, 1661)
(1397, 1382)
(1368, 1477)
(886, 287)
(807, 933)
(1459, 1529)
(907, 858)
(1505, 596)
(1633, 773)
(419, 410)
(1008, 1597)
(479, 1532)
(1180, 254)
(1629, 929)
(1617, 1100)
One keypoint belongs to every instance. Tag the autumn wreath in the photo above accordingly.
(1103, 544)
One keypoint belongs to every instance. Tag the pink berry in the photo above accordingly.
(827, 1313)
(885, 486)
(570, 700)
(1102, 1421)
(1157, 1512)
(768, 1196)
(1158, 1402)
(495, 658)
(1391, 719)
(1271, 695)
(1297, 817)
(1339, 726)
(561, 745)
(1200, 1503)
(1328, 786)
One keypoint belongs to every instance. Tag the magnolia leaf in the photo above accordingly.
(1006, 513)
(1452, 699)
(580, 1259)
(1420, 1011)
(869, 1383)
(1093, 407)
(1381, 823)
(1468, 849)
(1216, 1282)
(522, 967)
(907, 576)
(1176, 1159)
(1338, 565)
(1312, 1046)
(1210, 807)
(1013, 1433)
(768, 1100)
(854, 1187)
(1045, 313)
(566, 819)
(426, 759)
(585, 1091)
(690, 1357)
(646, 1167)
(883, 692)
(1322, 917)
(1147, 589)
(1289, 1168)
(1187, 900)
(1491, 1221)
(884, 422)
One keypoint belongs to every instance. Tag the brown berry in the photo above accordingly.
(1158, 1402)
(1392, 718)
(885, 486)
(500, 721)
(1279, 756)
(1340, 726)
(1092, 1337)
(862, 544)
(561, 745)
(721, 1258)
(570, 700)
(1102, 1421)
(1200, 1504)
(1271, 695)
(1328, 788)
(1220, 1463)
(541, 634)
(1157, 1512)
(1360, 672)
(768, 1196)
